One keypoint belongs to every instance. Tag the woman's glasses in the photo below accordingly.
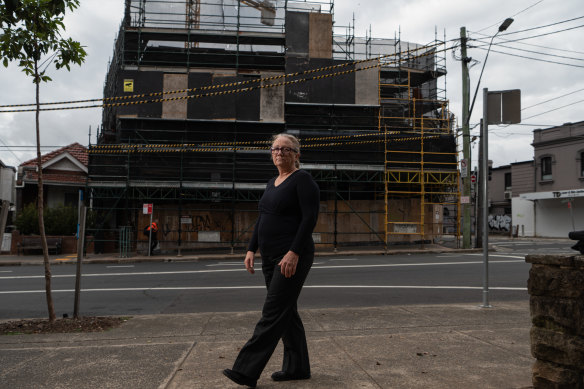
(283, 150)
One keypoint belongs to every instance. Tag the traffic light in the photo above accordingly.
(490, 172)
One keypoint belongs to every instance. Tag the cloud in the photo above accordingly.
(96, 24)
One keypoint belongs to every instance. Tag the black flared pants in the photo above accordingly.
(280, 320)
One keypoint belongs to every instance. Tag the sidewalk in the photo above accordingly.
(421, 346)
(24, 260)
(417, 346)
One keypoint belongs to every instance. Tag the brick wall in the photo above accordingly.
(556, 289)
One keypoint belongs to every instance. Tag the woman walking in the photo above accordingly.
(283, 233)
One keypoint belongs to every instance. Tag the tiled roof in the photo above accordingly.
(77, 150)
(50, 175)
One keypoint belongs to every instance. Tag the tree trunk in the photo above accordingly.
(40, 205)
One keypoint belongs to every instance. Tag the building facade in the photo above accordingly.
(7, 200)
(64, 174)
(193, 96)
(547, 193)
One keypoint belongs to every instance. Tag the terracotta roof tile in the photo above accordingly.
(77, 150)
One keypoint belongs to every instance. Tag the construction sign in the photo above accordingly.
(128, 85)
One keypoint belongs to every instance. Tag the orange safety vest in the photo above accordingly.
(153, 226)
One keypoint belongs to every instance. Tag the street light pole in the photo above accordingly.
(505, 25)
(483, 173)
(466, 113)
(484, 198)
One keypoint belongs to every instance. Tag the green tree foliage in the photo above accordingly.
(30, 35)
(31, 31)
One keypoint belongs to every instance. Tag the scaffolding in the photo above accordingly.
(417, 172)
(413, 110)
(210, 82)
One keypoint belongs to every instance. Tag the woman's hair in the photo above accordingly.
(294, 141)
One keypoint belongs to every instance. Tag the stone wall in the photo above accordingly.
(556, 289)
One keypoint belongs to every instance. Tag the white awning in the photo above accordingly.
(561, 194)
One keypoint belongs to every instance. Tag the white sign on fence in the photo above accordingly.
(6, 242)
(209, 236)
(405, 228)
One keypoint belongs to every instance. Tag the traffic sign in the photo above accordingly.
(473, 178)
(147, 209)
(463, 168)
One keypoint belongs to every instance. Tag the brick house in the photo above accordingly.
(64, 173)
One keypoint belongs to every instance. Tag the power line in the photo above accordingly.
(545, 26)
(381, 61)
(534, 59)
(552, 99)
(555, 109)
(11, 152)
(486, 37)
(520, 12)
(539, 35)
(28, 146)
(539, 52)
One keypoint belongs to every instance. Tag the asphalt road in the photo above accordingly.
(215, 286)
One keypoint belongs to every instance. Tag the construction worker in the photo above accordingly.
(152, 231)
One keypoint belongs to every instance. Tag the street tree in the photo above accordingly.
(30, 36)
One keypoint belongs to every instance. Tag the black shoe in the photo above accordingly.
(283, 376)
(239, 378)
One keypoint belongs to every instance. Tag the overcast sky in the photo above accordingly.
(556, 85)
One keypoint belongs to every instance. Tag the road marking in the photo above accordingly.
(162, 289)
(118, 266)
(516, 244)
(342, 259)
(501, 255)
(411, 264)
(5, 271)
(243, 270)
(228, 264)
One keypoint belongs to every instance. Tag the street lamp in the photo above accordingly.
(484, 161)
(506, 23)
(466, 113)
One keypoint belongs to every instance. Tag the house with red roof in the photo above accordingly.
(64, 173)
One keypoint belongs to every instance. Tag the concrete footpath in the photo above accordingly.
(415, 346)
(421, 346)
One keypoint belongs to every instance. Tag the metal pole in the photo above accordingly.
(180, 188)
(150, 234)
(479, 195)
(80, 245)
(571, 206)
(484, 181)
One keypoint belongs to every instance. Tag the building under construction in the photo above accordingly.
(196, 89)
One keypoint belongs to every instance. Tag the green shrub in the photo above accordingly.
(27, 221)
(61, 220)
(58, 221)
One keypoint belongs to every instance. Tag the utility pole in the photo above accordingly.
(466, 231)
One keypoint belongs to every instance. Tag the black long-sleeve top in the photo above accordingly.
(288, 214)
